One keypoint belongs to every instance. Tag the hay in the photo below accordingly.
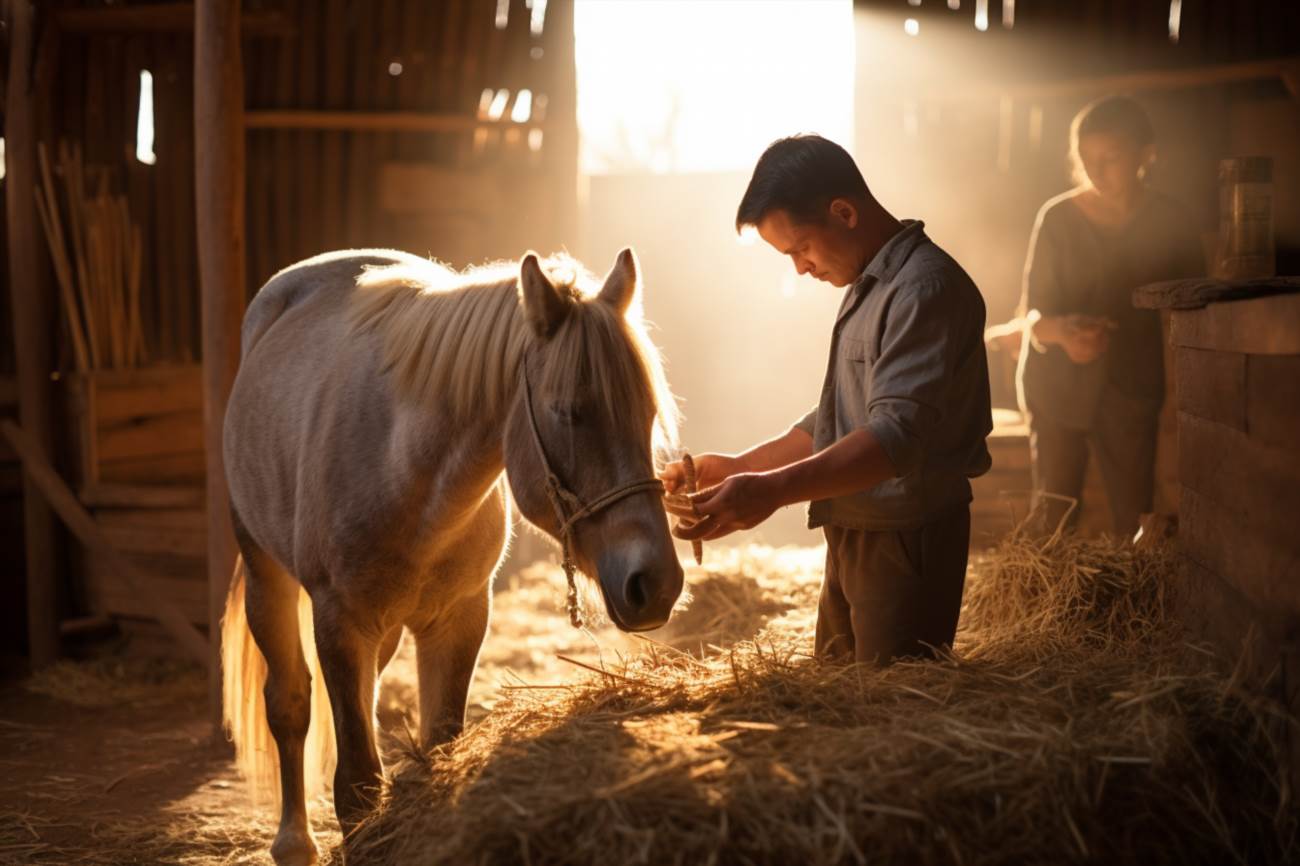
(1071, 725)
(114, 679)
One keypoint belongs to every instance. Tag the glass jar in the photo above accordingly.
(1246, 243)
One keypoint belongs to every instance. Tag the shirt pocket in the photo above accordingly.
(852, 376)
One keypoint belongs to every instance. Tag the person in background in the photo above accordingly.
(1092, 374)
(886, 456)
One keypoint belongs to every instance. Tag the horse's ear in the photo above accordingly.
(544, 307)
(623, 285)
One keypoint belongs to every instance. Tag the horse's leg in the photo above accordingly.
(349, 657)
(272, 610)
(446, 652)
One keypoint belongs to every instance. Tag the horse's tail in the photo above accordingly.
(244, 705)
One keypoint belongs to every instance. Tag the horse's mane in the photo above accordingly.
(458, 338)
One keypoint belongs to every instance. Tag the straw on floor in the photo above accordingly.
(1072, 724)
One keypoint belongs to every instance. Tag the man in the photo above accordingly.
(886, 455)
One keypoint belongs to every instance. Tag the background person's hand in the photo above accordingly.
(710, 470)
(1083, 338)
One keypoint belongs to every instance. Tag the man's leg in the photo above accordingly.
(905, 588)
(834, 637)
(1059, 456)
(1125, 440)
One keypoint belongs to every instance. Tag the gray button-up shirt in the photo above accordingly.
(907, 362)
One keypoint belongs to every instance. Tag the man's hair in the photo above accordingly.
(800, 175)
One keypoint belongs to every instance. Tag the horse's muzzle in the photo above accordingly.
(640, 591)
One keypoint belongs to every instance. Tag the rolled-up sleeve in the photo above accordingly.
(808, 423)
(909, 381)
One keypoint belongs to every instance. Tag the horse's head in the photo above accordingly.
(590, 400)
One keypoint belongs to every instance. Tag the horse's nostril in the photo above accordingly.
(634, 591)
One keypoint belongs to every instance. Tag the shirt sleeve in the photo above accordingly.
(909, 381)
(808, 423)
(1041, 288)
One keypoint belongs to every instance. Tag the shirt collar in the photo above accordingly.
(889, 259)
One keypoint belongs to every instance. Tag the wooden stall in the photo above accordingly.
(445, 129)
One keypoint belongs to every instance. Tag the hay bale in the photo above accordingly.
(1071, 725)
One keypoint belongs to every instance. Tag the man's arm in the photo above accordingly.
(854, 463)
(710, 469)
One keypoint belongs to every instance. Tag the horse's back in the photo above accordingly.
(328, 277)
(309, 412)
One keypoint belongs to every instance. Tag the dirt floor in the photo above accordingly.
(113, 759)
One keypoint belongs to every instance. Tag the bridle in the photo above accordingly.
(569, 509)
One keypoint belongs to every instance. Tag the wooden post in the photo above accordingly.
(219, 177)
(32, 312)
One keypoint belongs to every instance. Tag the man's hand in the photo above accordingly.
(740, 502)
(710, 470)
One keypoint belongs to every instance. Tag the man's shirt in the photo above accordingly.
(907, 362)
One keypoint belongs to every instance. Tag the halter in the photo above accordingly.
(568, 507)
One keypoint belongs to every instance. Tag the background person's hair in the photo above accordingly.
(800, 175)
(1115, 115)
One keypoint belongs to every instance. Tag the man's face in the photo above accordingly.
(827, 250)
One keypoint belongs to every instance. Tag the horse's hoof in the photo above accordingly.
(293, 849)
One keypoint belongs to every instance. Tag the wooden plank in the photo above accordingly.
(376, 121)
(180, 389)
(77, 519)
(32, 318)
(1258, 326)
(306, 162)
(175, 581)
(421, 188)
(161, 18)
(334, 44)
(1259, 484)
(151, 436)
(1221, 540)
(1192, 294)
(164, 531)
(154, 496)
(1212, 385)
(359, 201)
(1273, 400)
(185, 468)
(219, 165)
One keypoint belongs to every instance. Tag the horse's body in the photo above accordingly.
(365, 443)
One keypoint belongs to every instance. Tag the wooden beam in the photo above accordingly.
(374, 121)
(219, 176)
(57, 494)
(32, 318)
(160, 18)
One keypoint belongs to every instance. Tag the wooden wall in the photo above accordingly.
(1238, 381)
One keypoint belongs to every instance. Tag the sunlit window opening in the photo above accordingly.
(144, 121)
(1175, 19)
(669, 86)
(981, 15)
(911, 27)
(2, 157)
(523, 106)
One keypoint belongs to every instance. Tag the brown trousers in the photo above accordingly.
(892, 594)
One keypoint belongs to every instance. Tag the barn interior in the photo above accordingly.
(163, 160)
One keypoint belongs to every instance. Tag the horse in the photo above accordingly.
(383, 405)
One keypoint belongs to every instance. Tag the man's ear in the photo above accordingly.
(544, 306)
(623, 284)
(844, 212)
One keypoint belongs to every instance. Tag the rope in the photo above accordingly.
(567, 517)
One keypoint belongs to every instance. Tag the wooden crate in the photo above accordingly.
(138, 436)
(138, 467)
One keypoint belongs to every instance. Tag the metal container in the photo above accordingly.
(1246, 243)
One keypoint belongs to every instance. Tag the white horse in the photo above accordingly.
(379, 400)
